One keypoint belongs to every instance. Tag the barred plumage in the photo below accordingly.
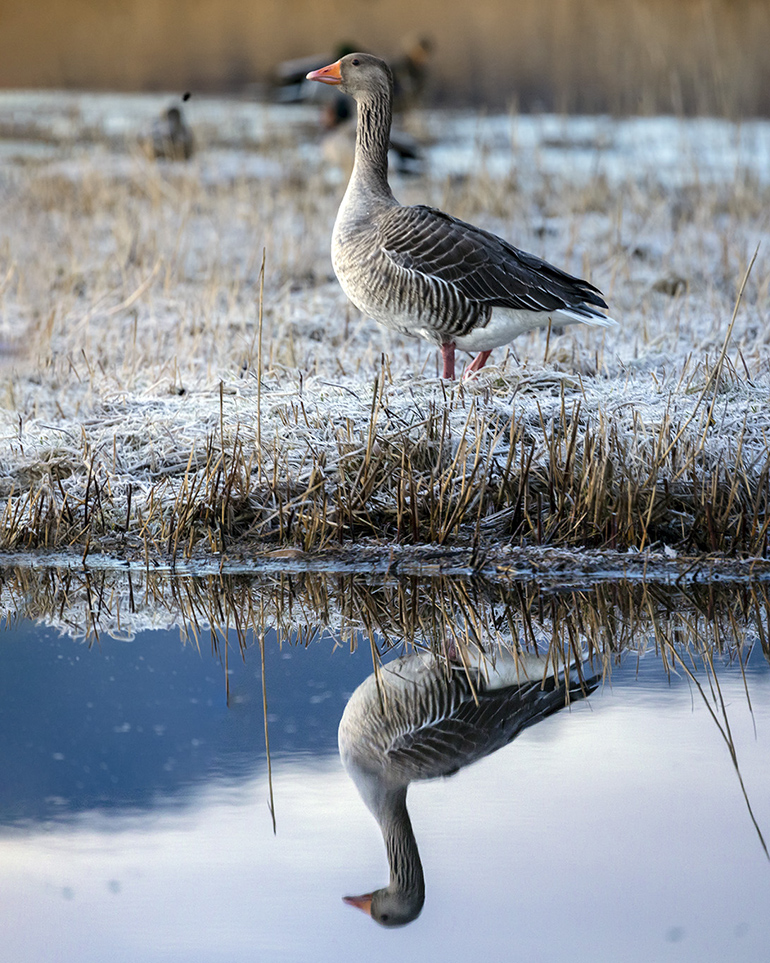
(421, 718)
(428, 274)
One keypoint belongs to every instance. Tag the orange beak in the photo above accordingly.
(360, 902)
(327, 75)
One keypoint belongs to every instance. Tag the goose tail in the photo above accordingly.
(585, 314)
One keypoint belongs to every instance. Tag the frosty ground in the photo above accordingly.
(166, 397)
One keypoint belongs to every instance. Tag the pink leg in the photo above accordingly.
(448, 354)
(477, 364)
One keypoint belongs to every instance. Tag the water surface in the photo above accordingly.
(135, 819)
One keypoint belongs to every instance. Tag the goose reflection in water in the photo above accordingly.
(420, 717)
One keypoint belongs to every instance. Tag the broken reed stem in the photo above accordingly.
(717, 371)
(547, 343)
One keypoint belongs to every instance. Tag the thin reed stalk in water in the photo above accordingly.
(261, 635)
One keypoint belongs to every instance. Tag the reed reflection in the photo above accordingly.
(424, 716)
(691, 629)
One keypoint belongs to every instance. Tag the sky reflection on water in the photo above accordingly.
(616, 829)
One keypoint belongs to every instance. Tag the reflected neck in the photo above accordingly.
(406, 876)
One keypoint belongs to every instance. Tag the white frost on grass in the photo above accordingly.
(663, 150)
(130, 291)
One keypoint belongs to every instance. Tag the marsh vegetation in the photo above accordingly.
(183, 377)
(226, 499)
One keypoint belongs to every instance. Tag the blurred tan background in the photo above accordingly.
(638, 56)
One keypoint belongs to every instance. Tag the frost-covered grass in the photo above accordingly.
(148, 411)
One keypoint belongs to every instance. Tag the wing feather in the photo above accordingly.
(472, 727)
(481, 266)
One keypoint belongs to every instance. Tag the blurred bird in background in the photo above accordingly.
(170, 137)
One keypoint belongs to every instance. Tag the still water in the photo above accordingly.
(136, 821)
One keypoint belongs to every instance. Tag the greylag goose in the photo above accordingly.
(423, 272)
(419, 718)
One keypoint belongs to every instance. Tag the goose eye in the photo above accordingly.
(355, 62)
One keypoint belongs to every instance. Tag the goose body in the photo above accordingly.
(421, 718)
(425, 273)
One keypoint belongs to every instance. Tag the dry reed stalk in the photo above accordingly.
(259, 362)
(691, 630)
(151, 451)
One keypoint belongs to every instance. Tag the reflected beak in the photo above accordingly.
(327, 75)
(361, 902)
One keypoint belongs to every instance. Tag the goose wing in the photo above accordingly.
(457, 729)
(481, 266)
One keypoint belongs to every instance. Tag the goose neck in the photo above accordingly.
(372, 143)
(406, 875)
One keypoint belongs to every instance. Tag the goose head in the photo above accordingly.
(402, 899)
(359, 74)
(389, 906)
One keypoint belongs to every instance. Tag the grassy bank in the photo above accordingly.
(182, 375)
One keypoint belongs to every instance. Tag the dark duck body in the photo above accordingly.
(171, 138)
(427, 274)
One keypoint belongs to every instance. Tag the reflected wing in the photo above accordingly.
(461, 729)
